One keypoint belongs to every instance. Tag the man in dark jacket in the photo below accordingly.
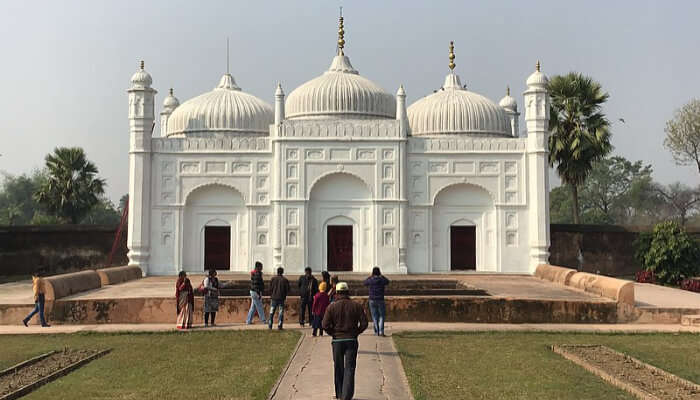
(377, 307)
(344, 320)
(256, 290)
(279, 289)
(308, 287)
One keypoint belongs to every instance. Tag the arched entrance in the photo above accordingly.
(214, 229)
(340, 211)
(462, 229)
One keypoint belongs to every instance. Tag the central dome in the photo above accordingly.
(340, 92)
(225, 109)
(453, 109)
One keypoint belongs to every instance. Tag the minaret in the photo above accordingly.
(511, 108)
(279, 105)
(403, 179)
(537, 120)
(141, 119)
(169, 105)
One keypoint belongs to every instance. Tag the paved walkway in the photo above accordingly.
(393, 326)
(650, 295)
(379, 374)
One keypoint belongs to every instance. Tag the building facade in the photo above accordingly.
(339, 176)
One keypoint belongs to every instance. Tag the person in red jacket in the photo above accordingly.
(318, 309)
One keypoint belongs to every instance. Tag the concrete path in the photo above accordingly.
(379, 374)
(393, 326)
(650, 295)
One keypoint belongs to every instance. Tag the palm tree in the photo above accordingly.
(72, 187)
(580, 132)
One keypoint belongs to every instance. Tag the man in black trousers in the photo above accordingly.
(308, 287)
(344, 320)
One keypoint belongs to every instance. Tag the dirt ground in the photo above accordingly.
(661, 385)
(32, 373)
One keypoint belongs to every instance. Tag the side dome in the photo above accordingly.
(508, 102)
(453, 109)
(141, 79)
(226, 109)
(340, 92)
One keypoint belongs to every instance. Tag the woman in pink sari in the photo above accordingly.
(184, 297)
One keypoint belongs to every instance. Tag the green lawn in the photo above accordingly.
(201, 365)
(499, 365)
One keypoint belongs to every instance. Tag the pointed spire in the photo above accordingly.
(142, 64)
(401, 92)
(171, 91)
(507, 90)
(537, 66)
(341, 34)
(452, 64)
(279, 91)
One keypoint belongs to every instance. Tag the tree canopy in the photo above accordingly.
(580, 133)
(683, 134)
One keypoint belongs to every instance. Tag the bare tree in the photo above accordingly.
(683, 134)
(681, 199)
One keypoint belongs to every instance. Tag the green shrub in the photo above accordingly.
(672, 254)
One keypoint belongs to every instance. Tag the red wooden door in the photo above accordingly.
(339, 248)
(463, 247)
(217, 247)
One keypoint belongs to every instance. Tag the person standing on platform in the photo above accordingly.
(308, 287)
(331, 291)
(377, 307)
(279, 289)
(184, 300)
(344, 320)
(39, 299)
(211, 297)
(319, 308)
(257, 285)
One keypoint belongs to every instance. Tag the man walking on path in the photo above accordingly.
(344, 320)
(377, 282)
(39, 293)
(308, 287)
(279, 289)
(256, 290)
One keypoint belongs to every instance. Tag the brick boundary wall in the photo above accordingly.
(606, 249)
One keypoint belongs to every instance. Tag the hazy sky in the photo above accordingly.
(66, 64)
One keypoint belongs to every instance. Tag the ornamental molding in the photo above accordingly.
(205, 145)
(466, 144)
(341, 129)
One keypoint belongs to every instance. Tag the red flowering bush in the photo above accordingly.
(691, 284)
(645, 276)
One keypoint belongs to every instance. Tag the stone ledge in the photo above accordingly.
(616, 289)
(64, 285)
(114, 275)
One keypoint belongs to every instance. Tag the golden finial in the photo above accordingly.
(537, 66)
(141, 64)
(452, 64)
(341, 34)
(507, 90)
(171, 91)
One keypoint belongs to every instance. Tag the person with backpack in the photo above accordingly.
(257, 285)
(279, 289)
(308, 287)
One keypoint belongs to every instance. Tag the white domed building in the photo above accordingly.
(340, 177)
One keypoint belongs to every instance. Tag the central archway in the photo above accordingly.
(340, 211)
(214, 229)
(463, 229)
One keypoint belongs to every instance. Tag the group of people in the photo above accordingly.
(327, 304)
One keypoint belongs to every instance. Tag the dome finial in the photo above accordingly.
(341, 34)
(507, 90)
(171, 91)
(141, 64)
(452, 64)
(537, 66)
